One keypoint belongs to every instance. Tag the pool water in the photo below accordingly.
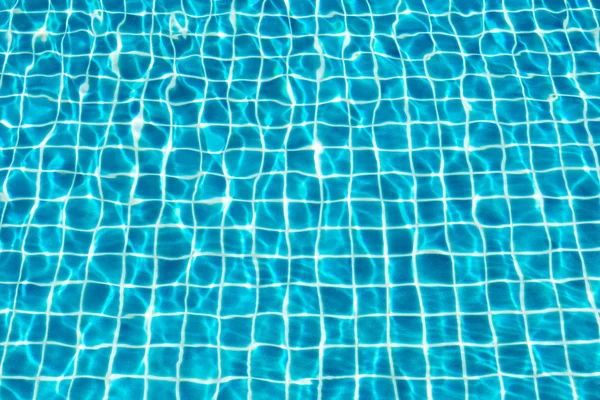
(299, 199)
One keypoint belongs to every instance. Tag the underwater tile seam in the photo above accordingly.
(293, 199)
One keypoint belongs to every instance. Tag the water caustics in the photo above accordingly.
(299, 199)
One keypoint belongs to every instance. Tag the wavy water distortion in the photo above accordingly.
(299, 199)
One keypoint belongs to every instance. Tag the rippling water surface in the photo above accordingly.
(299, 199)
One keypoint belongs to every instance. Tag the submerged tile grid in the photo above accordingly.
(293, 199)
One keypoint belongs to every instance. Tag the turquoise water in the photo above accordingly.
(299, 199)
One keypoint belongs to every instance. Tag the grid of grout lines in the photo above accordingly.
(299, 199)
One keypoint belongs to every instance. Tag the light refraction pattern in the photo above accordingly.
(299, 199)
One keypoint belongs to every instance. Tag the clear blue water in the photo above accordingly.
(299, 199)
